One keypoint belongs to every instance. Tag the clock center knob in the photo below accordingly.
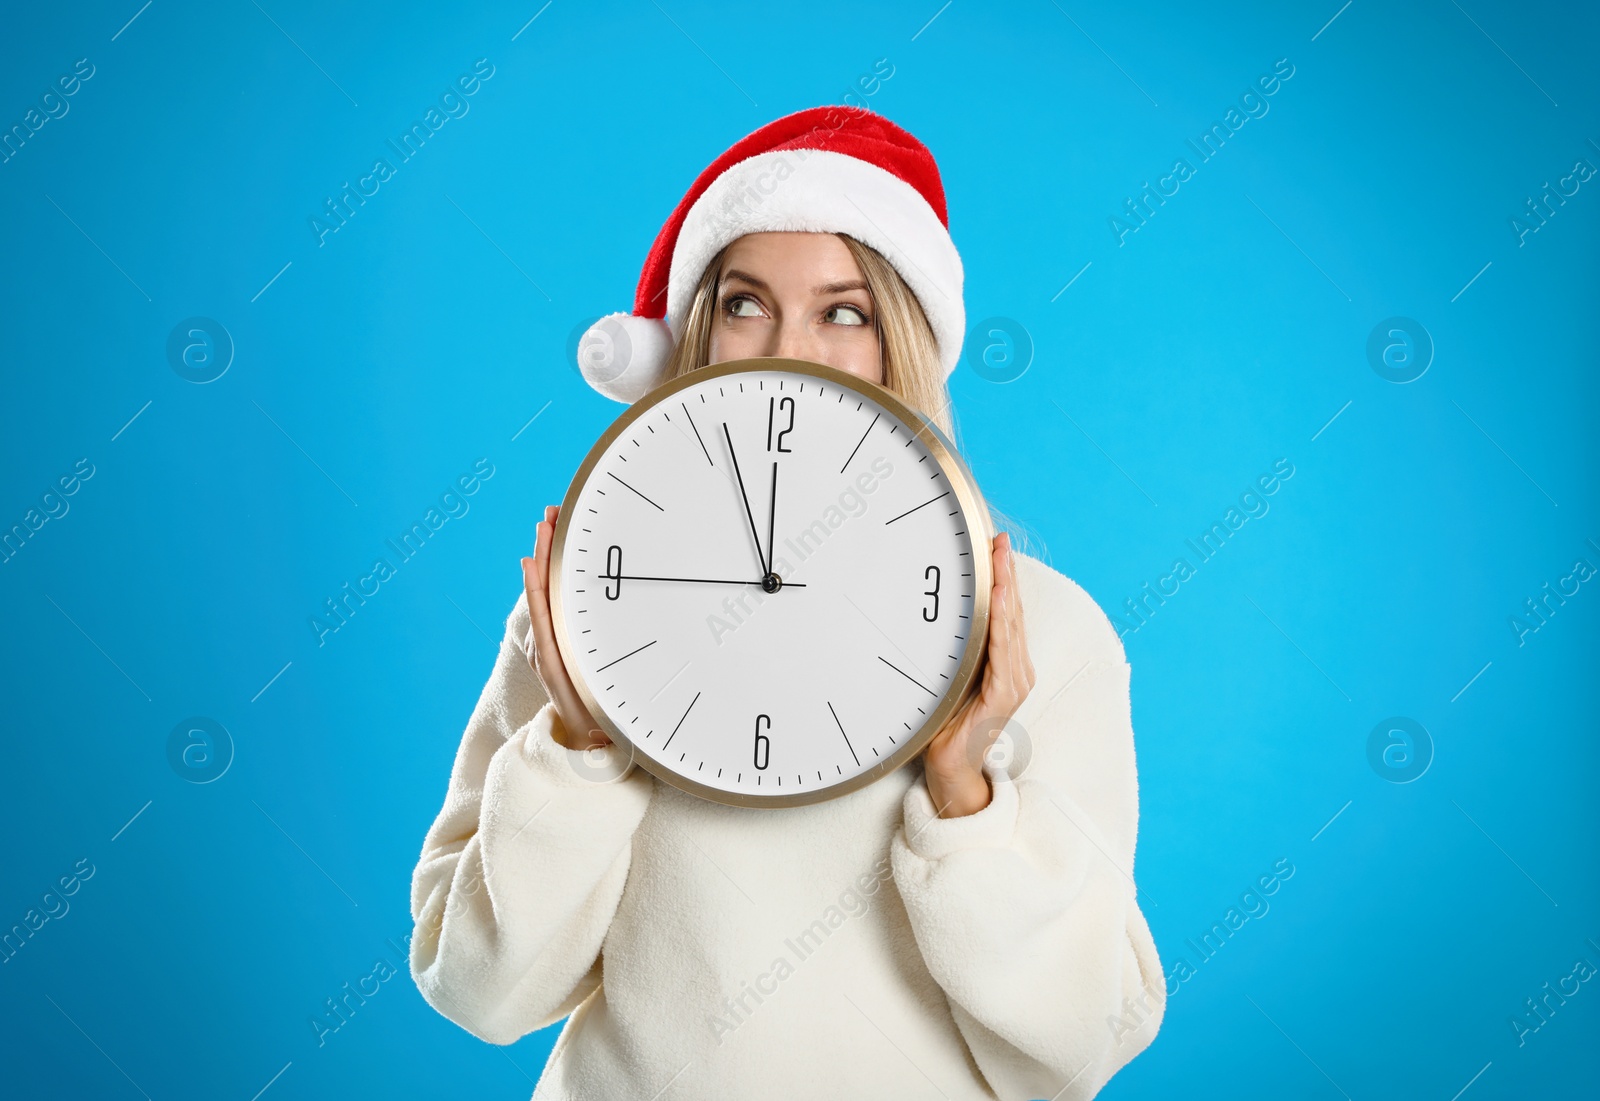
(771, 583)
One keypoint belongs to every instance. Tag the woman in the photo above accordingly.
(965, 926)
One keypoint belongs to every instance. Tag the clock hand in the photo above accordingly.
(760, 558)
(694, 580)
(772, 513)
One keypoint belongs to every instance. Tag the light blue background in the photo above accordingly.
(378, 366)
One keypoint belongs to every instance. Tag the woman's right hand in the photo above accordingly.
(574, 728)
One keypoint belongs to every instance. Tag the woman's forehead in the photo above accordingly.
(790, 257)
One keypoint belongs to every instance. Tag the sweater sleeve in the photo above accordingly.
(522, 870)
(1026, 911)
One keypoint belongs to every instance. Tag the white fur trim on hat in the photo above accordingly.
(818, 191)
(623, 356)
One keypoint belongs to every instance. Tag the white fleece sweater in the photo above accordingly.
(861, 947)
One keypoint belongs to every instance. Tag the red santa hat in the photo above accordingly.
(830, 169)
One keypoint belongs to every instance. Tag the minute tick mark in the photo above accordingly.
(859, 442)
(629, 654)
(924, 504)
(642, 497)
(840, 725)
(685, 715)
(907, 675)
(697, 432)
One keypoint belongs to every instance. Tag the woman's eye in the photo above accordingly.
(846, 315)
(733, 305)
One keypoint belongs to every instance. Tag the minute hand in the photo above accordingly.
(772, 515)
(761, 559)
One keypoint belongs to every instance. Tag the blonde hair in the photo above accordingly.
(906, 345)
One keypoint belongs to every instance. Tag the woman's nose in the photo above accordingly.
(793, 341)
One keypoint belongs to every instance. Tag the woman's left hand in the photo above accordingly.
(953, 760)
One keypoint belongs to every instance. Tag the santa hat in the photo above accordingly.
(821, 170)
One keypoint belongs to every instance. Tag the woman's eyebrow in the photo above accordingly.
(826, 288)
(744, 277)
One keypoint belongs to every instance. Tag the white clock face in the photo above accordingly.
(767, 583)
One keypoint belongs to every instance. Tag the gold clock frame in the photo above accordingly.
(973, 506)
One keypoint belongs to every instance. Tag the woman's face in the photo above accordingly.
(798, 295)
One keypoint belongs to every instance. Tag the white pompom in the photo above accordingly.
(623, 356)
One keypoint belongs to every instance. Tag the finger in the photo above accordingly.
(1021, 663)
(1014, 645)
(541, 554)
(1006, 642)
(544, 639)
(540, 637)
(574, 715)
(550, 672)
(1019, 651)
(998, 676)
(1008, 565)
(539, 593)
(1024, 651)
(527, 592)
(1024, 657)
(542, 561)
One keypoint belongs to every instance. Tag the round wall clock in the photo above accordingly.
(770, 582)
